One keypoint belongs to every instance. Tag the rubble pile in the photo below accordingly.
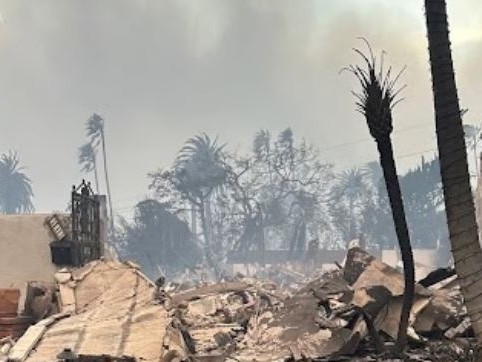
(351, 312)
(105, 309)
(109, 311)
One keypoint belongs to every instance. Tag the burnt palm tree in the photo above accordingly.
(15, 187)
(88, 161)
(96, 135)
(459, 204)
(376, 101)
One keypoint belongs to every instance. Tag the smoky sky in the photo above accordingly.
(162, 71)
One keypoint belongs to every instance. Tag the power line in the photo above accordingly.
(416, 153)
(137, 198)
(360, 161)
(366, 139)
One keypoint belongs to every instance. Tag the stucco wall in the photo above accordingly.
(24, 251)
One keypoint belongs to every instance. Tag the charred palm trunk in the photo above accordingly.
(396, 203)
(376, 101)
(459, 204)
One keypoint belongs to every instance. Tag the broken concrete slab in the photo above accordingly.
(444, 310)
(459, 330)
(388, 319)
(209, 290)
(364, 270)
(115, 315)
(27, 342)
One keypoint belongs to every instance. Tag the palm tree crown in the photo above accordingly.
(15, 187)
(87, 156)
(351, 183)
(95, 129)
(199, 165)
(378, 95)
(88, 161)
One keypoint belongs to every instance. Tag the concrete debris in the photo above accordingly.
(6, 345)
(111, 312)
(340, 313)
(460, 330)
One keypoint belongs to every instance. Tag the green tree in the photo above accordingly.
(15, 186)
(459, 203)
(376, 101)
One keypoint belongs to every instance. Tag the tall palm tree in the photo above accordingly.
(376, 101)
(15, 187)
(88, 161)
(459, 204)
(95, 131)
(351, 186)
(200, 171)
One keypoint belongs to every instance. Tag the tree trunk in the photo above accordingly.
(107, 184)
(193, 219)
(459, 204)
(262, 245)
(396, 203)
(475, 156)
(209, 218)
(202, 215)
(96, 176)
(350, 225)
(207, 240)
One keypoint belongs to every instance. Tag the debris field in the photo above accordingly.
(110, 311)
